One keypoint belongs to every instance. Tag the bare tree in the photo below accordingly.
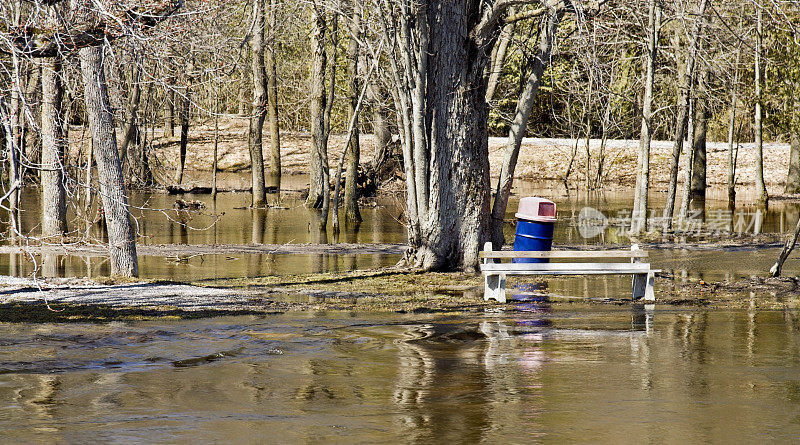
(683, 113)
(640, 198)
(259, 109)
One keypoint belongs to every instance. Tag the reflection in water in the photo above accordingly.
(570, 374)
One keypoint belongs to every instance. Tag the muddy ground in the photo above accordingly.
(381, 290)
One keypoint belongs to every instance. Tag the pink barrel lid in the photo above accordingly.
(533, 208)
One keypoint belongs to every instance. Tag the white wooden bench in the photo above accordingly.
(495, 271)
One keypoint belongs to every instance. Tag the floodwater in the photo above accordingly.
(540, 374)
(229, 220)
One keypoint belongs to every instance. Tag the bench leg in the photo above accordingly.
(495, 287)
(643, 286)
(639, 286)
(649, 295)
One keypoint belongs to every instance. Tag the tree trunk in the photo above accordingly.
(259, 109)
(793, 177)
(54, 198)
(640, 198)
(353, 156)
(499, 57)
(169, 113)
(318, 179)
(131, 125)
(121, 246)
(549, 26)
(731, 183)
(330, 81)
(761, 188)
(791, 241)
(183, 117)
(698, 182)
(31, 140)
(683, 115)
(274, 177)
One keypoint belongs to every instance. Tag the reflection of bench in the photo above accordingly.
(495, 272)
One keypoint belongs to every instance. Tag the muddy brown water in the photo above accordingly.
(532, 372)
(562, 374)
(228, 220)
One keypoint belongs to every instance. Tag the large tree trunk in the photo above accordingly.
(274, 177)
(259, 110)
(519, 124)
(54, 198)
(318, 181)
(640, 198)
(353, 156)
(122, 245)
(761, 188)
(683, 115)
(330, 81)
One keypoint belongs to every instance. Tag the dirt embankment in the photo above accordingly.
(540, 158)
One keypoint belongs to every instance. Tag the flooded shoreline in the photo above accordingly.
(543, 374)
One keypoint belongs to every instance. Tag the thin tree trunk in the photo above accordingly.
(351, 211)
(183, 116)
(317, 167)
(131, 126)
(54, 199)
(549, 26)
(501, 49)
(14, 144)
(791, 241)
(274, 177)
(169, 113)
(31, 138)
(732, 129)
(683, 212)
(330, 74)
(380, 132)
(793, 176)
(121, 246)
(699, 182)
(259, 110)
(761, 188)
(683, 115)
(214, 165)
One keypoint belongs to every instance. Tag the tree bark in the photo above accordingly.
(121, 246)
(274, 177)
(793, 176)
(698, 182)
(259, 109)
(640, 193)
(169, 113)
(54, 198)
(731, 183)
(683, 115)
(330, 81)
(353, 156)
(131, 125)
(548, 26)
(761, 188)
(183, 117)
(318, 179)
(499, 57)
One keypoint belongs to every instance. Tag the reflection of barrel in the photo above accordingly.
(533, 235)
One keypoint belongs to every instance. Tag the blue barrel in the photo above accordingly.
(533, 235)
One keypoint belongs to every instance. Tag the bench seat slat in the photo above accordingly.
(564, 254)
(566, 268)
